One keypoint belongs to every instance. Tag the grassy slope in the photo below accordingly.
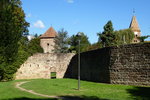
(9, 92)
(67, 87)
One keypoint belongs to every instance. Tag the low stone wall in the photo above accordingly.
(41, 65)
(127, 64)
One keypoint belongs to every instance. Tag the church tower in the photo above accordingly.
(135, 28)
(47, 40)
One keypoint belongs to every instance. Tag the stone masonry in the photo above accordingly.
(126, 64)
(130, 64)
(41, 65)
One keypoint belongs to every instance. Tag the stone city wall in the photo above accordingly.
(130, 64)
(41, 65)
(127, 64)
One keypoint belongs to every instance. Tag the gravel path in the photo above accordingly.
(18, 84)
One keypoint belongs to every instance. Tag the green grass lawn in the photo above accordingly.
(68, 88)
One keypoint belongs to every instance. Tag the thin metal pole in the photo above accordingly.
(79, 67)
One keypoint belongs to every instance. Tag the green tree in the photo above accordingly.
(61, 42)
(142, 38)
(36, 35)
(12, 27)
(73, 42)
(108, 37)
(124, 36)
(95, 46)
(34, 46)
(3, 4)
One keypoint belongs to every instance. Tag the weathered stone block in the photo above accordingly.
(41, 65)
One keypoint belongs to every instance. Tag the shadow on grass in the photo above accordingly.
(82, 98)
(25, 98)
(62, 98)
(140, 93)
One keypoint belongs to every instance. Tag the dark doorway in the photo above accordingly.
(53, 75)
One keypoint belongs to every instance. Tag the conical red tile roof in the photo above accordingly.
(50, 33)
(134, 25)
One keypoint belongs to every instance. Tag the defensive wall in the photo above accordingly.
(126, 64)
(41, 65)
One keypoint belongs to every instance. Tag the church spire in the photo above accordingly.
(135, 28)
(134, 24)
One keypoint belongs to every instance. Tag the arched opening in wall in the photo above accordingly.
(53, 75)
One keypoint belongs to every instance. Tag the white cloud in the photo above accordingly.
(70, 1)
(39, 24)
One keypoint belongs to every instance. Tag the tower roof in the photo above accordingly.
(134, 25)
(50, 33)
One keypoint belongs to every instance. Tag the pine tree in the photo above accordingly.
(108, 37)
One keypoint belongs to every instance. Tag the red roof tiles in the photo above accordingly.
(50, 33)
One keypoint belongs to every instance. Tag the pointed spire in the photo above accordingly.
(134, 25)
(50, 33)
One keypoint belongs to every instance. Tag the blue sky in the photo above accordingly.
(88, 16)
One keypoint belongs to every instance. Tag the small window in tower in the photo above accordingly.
(135, 40)
(136, 35)
(47, 44)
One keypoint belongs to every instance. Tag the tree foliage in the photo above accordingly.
(142, 38)
(13, 46)
(74, 45)
(124, 36)
(61, 42)
(34, 46)
(108, 37)
(12, 26)
(26, 48)
(95, 46)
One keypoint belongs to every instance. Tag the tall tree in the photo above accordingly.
(84, 42)
(108, 37)
(61, 42)
(124, 36)
(12, 27)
